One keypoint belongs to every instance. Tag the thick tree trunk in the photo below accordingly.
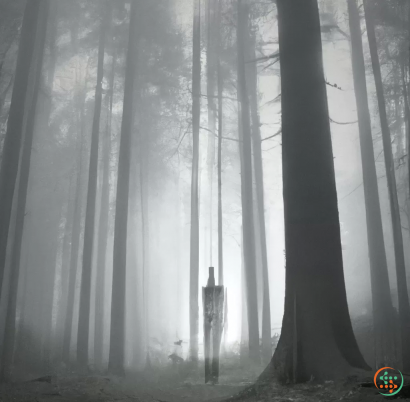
(14, 133)
(258, 165)
(404, 307)
(382, 305)
(10, 327)
(246, 188)
(317, 337)
(85, 293)
(117, 337)
(194, 237)
(103, 229)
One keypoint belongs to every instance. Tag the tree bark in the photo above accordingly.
(244, 350)
(14, 133)
(194, 236)
(246, 187)
(10, 327)
(258, 165)
(75, 237)
(103, 228)
(65, 265)
(210, 73)
(85, 293)
(317, 337)
(117, 338)
(48, 281)
(220, 133)
(144, 169)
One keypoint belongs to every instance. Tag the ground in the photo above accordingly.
(169, 386)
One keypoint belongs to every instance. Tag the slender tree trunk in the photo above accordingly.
(404, 307)
(194, 237)
(258, 164)
(10, 327)
(48, 281)
(246, 188)
(210, 72)
(225, 321)
(144, 153)
(317, 337)
(3, 96)
(75, 242)
(244, 349)
(85, 293)
(14, 133)
(382, 305)
(407, 107)
(117, 338)
(20, 341)
(407, 119)
(65, 265)
(180, 235)
(220, 133)
(103, 229)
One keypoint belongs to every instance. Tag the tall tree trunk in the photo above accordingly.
(382, 304)
(145, 213)
(103, 228)
(246, 187)
(85, 293)
(407, 108)
(10, 327)
(244, 349)
(407, 119)
(3, 95)
(317, 337)
(48, 281)
(210, 73)
(117, 338)
(14, 133)
(194, 237)
(220, 132)
(65, 265)
(258, 164)
(404, 307)
(75, 240)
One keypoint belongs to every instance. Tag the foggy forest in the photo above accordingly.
(204, 200)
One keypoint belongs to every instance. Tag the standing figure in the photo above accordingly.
(213, 302)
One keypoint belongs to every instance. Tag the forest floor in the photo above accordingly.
(104, 389)
(179, 384)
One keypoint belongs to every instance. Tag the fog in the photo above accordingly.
(143, 142)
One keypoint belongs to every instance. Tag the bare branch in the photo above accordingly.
(274, 135)
(342, 123)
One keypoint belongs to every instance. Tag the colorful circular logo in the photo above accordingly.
(388, 381)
